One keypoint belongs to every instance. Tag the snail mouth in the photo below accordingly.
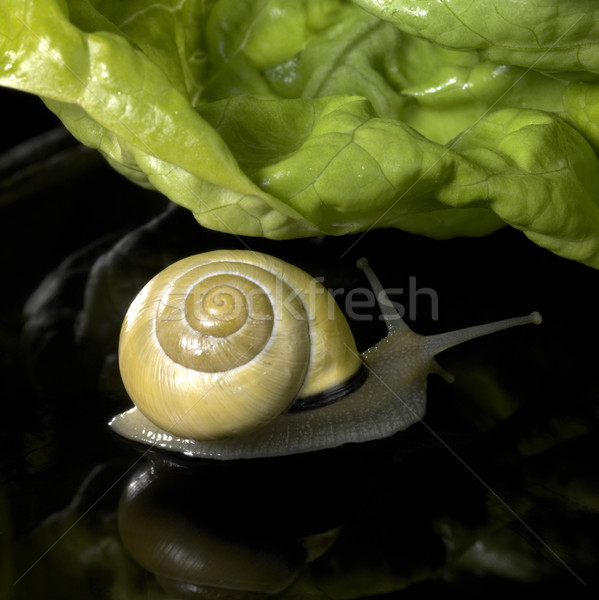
(331, 395)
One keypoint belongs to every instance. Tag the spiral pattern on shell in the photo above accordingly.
(221, 343)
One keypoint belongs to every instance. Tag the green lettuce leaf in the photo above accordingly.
(294, 118)
(558, 35)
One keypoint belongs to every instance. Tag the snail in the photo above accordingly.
(237, 354)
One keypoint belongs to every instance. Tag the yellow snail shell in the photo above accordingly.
(221, 343)
(215, 350)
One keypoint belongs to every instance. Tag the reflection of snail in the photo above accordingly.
(235, 354)
(179, 524)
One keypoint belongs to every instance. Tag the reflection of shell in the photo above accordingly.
(171, 525)
(221, 343)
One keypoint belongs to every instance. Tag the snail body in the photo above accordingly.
(219, 350)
